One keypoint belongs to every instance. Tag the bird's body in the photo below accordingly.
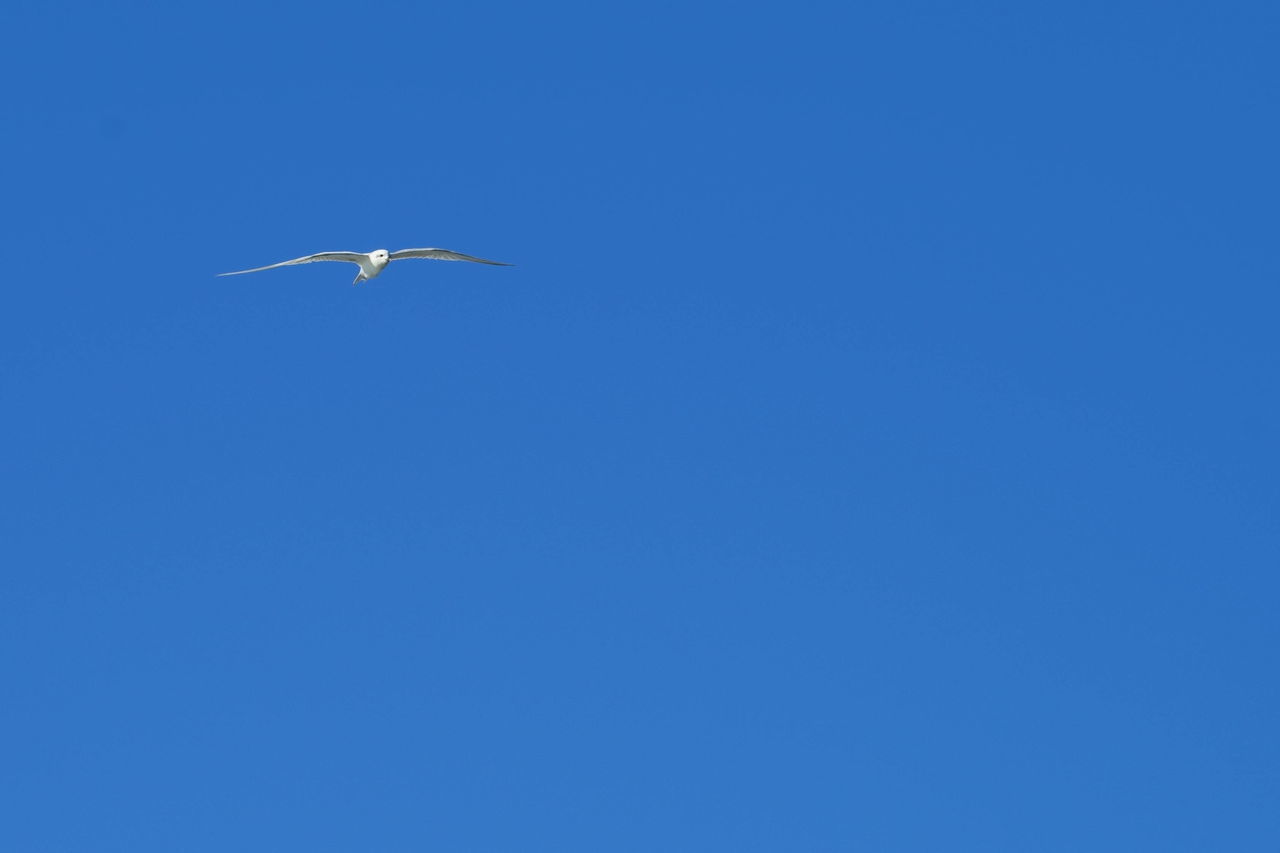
(373, 263)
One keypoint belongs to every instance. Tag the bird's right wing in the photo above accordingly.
(349, 257)
(441, 255)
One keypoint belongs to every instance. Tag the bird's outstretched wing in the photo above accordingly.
(441, 255)
(349, 257)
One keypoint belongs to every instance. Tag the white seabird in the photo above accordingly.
(373, 263)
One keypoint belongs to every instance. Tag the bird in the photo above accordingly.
(373, 263)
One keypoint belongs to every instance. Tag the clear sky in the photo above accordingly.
(872, 449)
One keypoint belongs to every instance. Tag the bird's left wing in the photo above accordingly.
(349, 257)
(441, 255)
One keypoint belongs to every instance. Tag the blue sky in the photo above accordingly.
(873, 447)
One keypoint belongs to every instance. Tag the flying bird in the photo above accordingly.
(373, 263)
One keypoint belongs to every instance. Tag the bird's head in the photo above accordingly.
(380, 256)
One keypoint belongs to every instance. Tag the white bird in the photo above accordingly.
(373, 263)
